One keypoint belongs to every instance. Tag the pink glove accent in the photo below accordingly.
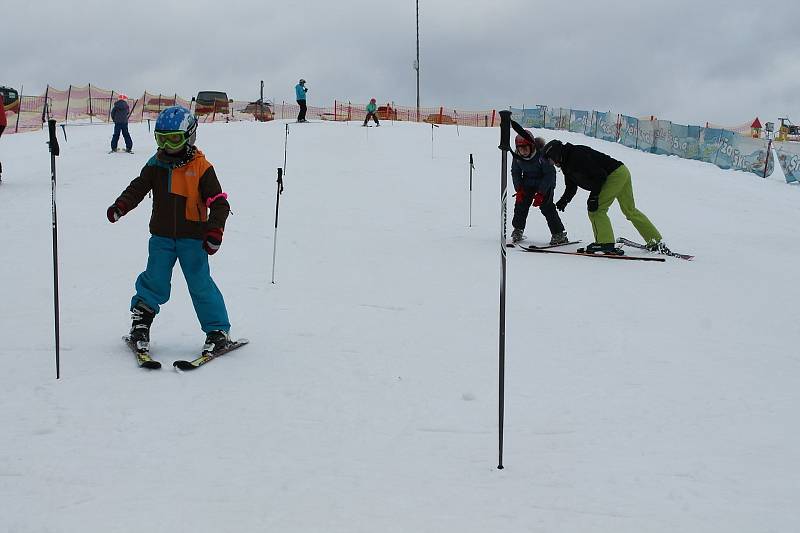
(215, 198)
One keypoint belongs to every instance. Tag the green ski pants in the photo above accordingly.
(618, 187)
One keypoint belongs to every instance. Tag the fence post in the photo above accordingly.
(44, 107)
(441, 113)
(144, 104)
(766, 159)
(334, 110)
(19, 108)
(493, 113)
(90, 103)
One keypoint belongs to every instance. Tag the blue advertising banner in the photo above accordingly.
(708, 143)
(740, 152)
(579, 121)
(557, 118)
(663, 137)
(646, 140)
(789, 159)
(629, 131)
(529, 118)
(685, 141)
(606, 127)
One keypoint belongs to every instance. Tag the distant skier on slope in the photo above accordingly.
(535, 183)
(119, 114)
(372, 109)
(188, 219)
(607, 180)
(300, 91)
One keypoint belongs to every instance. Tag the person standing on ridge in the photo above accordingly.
(119, 114)
(188, 219)
(372, 109)
(535, 183)
(300, 91)
(607, 180)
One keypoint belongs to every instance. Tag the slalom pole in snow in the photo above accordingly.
(471, 168)
(432, 126)
(505, 147)
(54, 151)
(277, 206)
(285, 143)
(766, 159)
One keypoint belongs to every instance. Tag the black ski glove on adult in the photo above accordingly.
(591, 203)
(561, 204)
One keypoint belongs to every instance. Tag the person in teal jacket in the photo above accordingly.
(300, 91)
(372, 107)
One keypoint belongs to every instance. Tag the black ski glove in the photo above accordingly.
(591, 203)
(561, 204)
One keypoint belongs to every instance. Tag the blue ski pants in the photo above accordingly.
(121, 128)
(154, 284)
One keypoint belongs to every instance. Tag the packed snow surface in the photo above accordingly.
(640, 397)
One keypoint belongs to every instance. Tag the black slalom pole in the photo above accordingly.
(54, 151)
(277, 206)
(505, 147)
(285, 143)
(471, 168)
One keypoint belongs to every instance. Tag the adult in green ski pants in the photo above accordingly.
(607, 180)
(618, 187)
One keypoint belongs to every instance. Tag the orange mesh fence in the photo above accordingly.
(93, 104)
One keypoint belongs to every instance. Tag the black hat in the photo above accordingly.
(552, 150)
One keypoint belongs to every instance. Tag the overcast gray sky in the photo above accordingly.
(689, 61)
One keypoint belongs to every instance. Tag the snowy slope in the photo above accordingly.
(640, 396)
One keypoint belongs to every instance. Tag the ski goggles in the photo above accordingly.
(170, 139)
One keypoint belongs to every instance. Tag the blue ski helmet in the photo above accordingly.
(176, 119)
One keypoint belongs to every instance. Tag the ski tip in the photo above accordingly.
(183, 365)
(150, 365)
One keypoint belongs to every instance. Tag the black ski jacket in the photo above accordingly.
(586, 168)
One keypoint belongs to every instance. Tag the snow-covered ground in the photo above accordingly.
(657, 397)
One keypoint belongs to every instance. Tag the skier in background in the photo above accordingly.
(535, 183)
(372, 108)
(607, 180)
(300, 91)
(119, 114)
(188, 219)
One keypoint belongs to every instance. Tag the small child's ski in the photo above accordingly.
(546, 246)
(142, 356)
(120, 151)
(633, 244)
(206, 357)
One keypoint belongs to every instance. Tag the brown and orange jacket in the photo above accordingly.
(187, 197)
